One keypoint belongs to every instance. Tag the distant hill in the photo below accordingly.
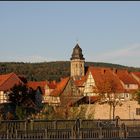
(50, 70)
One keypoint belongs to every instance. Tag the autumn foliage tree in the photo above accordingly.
(109, 94)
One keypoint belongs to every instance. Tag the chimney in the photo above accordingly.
(103, 71)
(114, 70)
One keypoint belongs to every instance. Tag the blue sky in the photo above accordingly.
(47, 31)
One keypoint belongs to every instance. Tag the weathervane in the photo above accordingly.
(77, 40)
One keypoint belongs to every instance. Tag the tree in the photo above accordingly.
(22, 99)
(17, 94)
(38, 97)
(113, 101)
(109, 95)
(20, 112)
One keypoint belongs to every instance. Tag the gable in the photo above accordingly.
(105, 80)
(70, 94)
(70, 89)
(10, 82)
(89, 84)
(60, 87)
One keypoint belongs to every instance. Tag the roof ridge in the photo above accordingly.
(10, 74)
(59, 90)
(67, 78)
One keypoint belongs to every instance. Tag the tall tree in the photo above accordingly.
(109, 94)
(23, 99)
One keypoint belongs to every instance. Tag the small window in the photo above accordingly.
(137, 111)
(127, 95)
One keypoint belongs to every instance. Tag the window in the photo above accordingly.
(137, 111)
(3, 97)
(127, 95)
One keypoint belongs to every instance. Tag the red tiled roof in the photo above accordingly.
(7, 81)
(3, 78)
(104, 76)
(125, 77)
(52, 85)
(80, 82)
(60, 87)
(42, 84)
(35, 84)
(137, 74)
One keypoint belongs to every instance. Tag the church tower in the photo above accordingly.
(77, 62)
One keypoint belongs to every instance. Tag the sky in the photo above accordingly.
(44, 31)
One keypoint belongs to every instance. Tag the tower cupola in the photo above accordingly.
(77, 62)
(77, 53)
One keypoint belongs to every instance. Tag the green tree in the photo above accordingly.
(23, 100)
(21, 112)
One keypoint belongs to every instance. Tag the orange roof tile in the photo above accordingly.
(125, 77)
(60, 87)
(104, 76)
(137, 74)
(35, 84)
(52, 85)
(80, 82)
(7, 81)
(4, 77)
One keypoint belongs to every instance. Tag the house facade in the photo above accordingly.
(129, 83)
(95, 77)
(46, 88)
(66, 93)
(117, 83)
(7, 81)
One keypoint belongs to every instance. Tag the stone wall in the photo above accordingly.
(126, 111)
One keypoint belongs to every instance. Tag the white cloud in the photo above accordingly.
(34, 58)
(127, 56)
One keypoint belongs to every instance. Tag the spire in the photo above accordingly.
(77, 53)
